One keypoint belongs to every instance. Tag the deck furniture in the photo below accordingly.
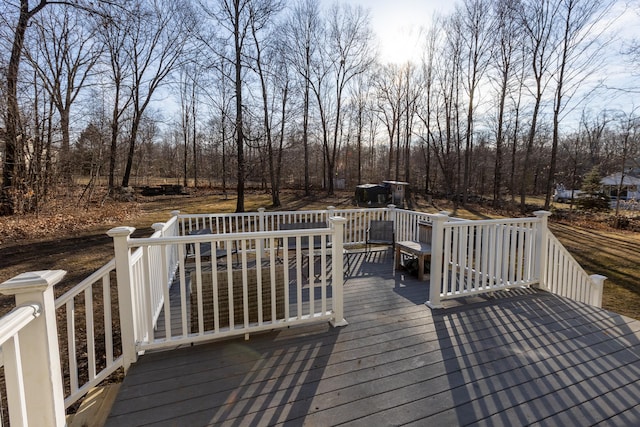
(420, 248)
(304, 240)
(205, 247)
(380, 233)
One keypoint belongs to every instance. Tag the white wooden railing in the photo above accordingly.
(11, 326)
(91, 354)
(177, 323)
(30, 352)
(564, 276)
(476, 257)
(357, 221)
(473, 257)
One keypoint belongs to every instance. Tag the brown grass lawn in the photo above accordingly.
(73, 238)
(612, 253)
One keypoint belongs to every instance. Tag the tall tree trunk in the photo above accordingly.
(193, 136)
(557, 108)
(276, 196)
(497, 173)
(132, 148)
(305, 136)
(65, 150)
(224, 160)
(185, 152)
(528, 151)
(359, 145)
(239, 130)
(12, 122)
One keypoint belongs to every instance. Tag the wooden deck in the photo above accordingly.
(518, 358)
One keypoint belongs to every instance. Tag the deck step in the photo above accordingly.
(95, 408)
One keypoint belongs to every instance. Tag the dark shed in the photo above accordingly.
(373, 195)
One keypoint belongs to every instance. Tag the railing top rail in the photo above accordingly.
(310, 211)
(216, 215)
(278, 213)
(77, 289)
(168, 224)
(491, 221)
(136, 242)
(16, 319)
(337, 210)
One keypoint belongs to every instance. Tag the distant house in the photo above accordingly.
(630, 185)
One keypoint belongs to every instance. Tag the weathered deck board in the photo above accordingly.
(521, 357)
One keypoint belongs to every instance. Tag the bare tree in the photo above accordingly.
(65, 58)
(413, 88)
(303, 27)
(476, 28)
(505, 62)
(187, 82)
(426, 101)
(628, 146)
(14, 133)
(360, 96)
(580, 27)
(349, 52)
(516, 121)
(271, 71)
(447, 78)
(536, 18)
(234, 20)
(158, 42)
(388, 85)
(116, 37)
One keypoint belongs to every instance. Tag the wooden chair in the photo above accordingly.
(420, 248)
(380, 233)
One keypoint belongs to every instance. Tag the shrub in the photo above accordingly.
(620, 222)
(594, 202)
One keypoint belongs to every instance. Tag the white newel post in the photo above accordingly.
(541, 262)
(391, 216)
(178, 225)
(337, 271)
(437, 269)
(330, 211)
(261, 227)
(158, 226)
(261, 219)
(126, 295)
(172, 250)
(597, 289)
(392, 213)
(39, 351)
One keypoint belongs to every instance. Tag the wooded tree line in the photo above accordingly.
(274, 93)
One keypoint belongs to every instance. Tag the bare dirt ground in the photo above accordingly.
(73, 237)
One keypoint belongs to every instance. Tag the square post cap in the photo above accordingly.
(31, 282)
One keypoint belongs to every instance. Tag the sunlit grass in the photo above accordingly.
(611, 254)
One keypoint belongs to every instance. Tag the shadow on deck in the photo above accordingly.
(517, 358)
